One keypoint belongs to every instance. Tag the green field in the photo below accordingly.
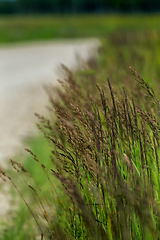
(104, 149)
(40, 27)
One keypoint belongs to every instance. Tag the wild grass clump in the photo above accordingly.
(105, 156)
(107, 162)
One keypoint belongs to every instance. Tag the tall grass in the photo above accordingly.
(104, 151)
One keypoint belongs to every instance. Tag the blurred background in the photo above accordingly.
(23, 20)
(129, 32)
(77, 6)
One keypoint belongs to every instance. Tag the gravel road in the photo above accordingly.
(24, 69)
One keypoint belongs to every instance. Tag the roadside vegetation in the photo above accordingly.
(94, 174)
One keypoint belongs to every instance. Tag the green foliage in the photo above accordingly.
(29, 28)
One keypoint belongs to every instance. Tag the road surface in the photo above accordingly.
(24, 69)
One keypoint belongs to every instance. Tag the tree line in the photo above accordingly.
(77, 6)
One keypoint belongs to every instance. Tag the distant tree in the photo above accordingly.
(7, 7)
(36, 5)
(62, 6)
(77, 6)
(129, 5)
(124, 5)
(148, 5)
